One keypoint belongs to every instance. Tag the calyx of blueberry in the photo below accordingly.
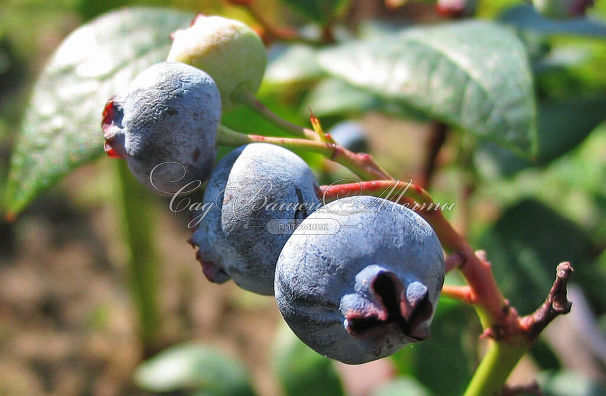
(388, 306)
(111, 125)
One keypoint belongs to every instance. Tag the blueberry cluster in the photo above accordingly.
(355, 279)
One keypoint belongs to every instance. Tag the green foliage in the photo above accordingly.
(484, 86)
(334, 97)
(61, 128)
(194, 367)
(322, 11)
(300, 370)
(525, 17)
(444, 363)
(562, 125)
(337, 97)
(246, 120)
(291, 64)
(401, 386)
(480, 77)
(527, 243)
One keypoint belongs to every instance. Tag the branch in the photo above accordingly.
(436, 140)
(454, 260)
(555, 304)
(363, 165)
(510, 336)
(504, 353)
(462, 293)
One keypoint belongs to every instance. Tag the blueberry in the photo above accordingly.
(228, 50)
(351, 135)
(258, 193)
(562, 9)
(165, 126)
(360, 278)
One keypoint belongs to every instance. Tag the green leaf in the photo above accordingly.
(401, 386)
(444, 362)
(245, 120)
(544, 356)
(562, 125)
(62, 130)
(526, 244)
(473, 75)
(194, 367)
(300, 370)
(322, 11)
(526, 18)
(289, 64)
(334, 97)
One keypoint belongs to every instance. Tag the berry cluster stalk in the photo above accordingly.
(363, 165)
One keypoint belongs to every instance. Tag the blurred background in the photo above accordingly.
(69, 324)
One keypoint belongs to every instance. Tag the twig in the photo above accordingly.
(555, 304)
(363, 165)
(393, 190)
(436, 140)
(454, 260)
(462, 293)
(503, 354)
(510, 336)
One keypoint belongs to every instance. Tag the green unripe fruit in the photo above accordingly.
(562, 9)
(228, 50)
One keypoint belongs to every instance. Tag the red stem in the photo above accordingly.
(463, 293)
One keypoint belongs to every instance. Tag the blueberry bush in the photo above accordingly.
(266, 129)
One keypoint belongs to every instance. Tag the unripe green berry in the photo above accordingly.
(228, 50)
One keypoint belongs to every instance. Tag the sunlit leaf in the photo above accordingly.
(472, 75)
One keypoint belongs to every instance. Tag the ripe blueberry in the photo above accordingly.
(228, 50)
(365, 286)
(351, 135)
(165, 126)
(258, 194)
